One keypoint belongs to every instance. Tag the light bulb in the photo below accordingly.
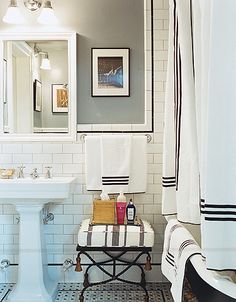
(13, 14)
(47, 15)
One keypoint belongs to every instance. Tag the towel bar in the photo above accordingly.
(82, 137)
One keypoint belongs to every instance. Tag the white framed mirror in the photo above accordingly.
(38, 87)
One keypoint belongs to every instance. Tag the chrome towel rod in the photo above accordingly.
(82, 137)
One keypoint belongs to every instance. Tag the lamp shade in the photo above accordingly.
(13, 14)
(45, 64)
(47, 15)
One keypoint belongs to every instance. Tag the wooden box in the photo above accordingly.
(104, 211)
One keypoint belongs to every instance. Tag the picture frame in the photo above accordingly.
(37, 89)
(110, 72)
(60, 98)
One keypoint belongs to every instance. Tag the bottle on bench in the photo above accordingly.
(130, 212)
(120, 208)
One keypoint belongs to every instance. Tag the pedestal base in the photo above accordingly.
(31, 275)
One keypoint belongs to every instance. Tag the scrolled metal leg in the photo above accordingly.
(143, 280)
(146, 298)
(86, 281)
(81, 298)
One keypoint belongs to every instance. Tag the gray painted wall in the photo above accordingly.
(57, 75)
(105, 24)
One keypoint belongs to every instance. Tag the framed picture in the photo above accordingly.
(59, 98)
(37, 96)
(110, 72)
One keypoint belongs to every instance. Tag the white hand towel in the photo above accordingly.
(138, 164)
(138, 170)
(93, 163)
(115, 162)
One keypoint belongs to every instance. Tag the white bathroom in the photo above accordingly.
(117, 151)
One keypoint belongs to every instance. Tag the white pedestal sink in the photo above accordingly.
(29, 196)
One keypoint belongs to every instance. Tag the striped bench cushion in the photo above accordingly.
(115, 235)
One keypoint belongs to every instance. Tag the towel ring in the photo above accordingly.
(82, 137)
(149, 138)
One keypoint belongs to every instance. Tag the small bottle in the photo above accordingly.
(104, 196)
(120, 208)
(130, 212)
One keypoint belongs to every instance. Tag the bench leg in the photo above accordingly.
(114, 275)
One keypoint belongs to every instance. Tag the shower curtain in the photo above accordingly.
(199, 161)
(181, 170)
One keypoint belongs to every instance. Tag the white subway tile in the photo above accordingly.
(72, 168)
(42, 158)
(71, 229)
(12, 148)
(83, 199)
(52, 148)
(62, 158)
(63, 219)
(73, 209)
(32, 148)
(6, 219)
(6, 239)
(63, 239)
(72, 148)
(78, 158)
(9, 209)
(53, 229)
(22, 158)
(5, 158)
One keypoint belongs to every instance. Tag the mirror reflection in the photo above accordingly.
(35, 86)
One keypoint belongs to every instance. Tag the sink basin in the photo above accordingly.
(37, 190)
(29, 196)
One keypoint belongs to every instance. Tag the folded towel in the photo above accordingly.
(92, 162)
(138, 165)
(179, 245)
(115, 162)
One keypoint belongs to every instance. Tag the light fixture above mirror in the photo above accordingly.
(47, 16)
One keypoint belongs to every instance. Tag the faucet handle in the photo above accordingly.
(48, 172)
(20, 173)
(34, 174)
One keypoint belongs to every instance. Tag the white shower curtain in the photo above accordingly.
(181, 169)
(199, 135)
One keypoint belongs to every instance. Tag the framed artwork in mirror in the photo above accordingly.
(110, 72)
(59, 98)
(37, 90)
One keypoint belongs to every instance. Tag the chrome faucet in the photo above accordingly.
(20, 173)
(34, 174)
(48, 173)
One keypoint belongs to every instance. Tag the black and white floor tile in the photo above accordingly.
(114, 292)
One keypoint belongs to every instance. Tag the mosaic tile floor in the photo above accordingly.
(115, 292)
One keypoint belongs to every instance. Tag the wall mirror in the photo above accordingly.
(38, 91)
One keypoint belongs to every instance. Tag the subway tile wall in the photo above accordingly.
(67, 159)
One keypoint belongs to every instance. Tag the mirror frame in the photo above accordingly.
(148, 125)
(71, 38)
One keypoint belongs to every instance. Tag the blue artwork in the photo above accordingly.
(110, 72)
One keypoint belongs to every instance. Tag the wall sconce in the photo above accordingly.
(45, 63)
(14, 16)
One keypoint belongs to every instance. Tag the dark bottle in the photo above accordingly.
(130, 212)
